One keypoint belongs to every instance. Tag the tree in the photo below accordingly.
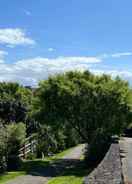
(16, 134)
(12, 137)
(15, 102)
(97, 107)
(3, 148)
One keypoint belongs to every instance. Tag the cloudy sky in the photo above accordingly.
(39, 38)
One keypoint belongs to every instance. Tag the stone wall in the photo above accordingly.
(109, 171)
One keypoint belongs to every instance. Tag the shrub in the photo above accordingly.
(3, 148)
(16, 136)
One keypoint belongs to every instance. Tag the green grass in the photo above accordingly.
(60, 155)
(74, 175)
(67, 180)
(10, 175)
(29, 165)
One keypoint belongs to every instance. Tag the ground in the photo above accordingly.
(41, 175)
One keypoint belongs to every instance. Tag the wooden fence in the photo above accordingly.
(28, 147)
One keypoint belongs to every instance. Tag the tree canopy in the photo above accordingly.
(89, 103)
(63, 111)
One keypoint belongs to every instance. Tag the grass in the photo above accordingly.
(29, 165)
(74, 175)
(60, 155)
(67, 180)
(10, 175)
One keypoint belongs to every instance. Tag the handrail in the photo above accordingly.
(29, 146)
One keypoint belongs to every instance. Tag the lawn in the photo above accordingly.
(10, 175)
(29, 165)
(67, 180)
(60, 155)
(74, 175)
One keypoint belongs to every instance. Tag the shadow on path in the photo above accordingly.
(74, 167)
(40, 171)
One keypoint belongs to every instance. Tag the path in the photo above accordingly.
(126, 156)
(50, 171)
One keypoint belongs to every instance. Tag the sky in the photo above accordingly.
(39, 38)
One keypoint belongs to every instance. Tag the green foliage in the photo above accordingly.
(13, 91)
(11, 138)
(53, 139)
(16, 134)
(65, 110)
(46, 141)
(3, 148)
(50, 140)
(16, 137)
(93, 105)
(15, 102)
(8, 90)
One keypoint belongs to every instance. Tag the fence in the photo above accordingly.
(28, 147)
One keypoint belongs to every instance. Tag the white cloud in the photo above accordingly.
(27, 12)
(120, 54)
(30, 71)
(127, 75)
(2, 55)
(51, 49)
(13, 37)
(115, 55)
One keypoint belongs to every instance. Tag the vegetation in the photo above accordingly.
(63, 111)
(12, 137)
(30, 165)
(97, 107)
(16, 134)
(9, 176)
(72, 175)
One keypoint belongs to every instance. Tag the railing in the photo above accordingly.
(28, 147)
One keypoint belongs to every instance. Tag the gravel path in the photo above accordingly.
(126, 156)
(45, 174)
(75, 153)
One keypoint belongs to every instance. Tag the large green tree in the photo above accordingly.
(15, 101)
(97, 107)
(16, 134)
(3, 148)
(12, 137)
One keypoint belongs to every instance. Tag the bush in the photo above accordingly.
(31, 156)
(46, 141)
(16, 136)
(3, 148)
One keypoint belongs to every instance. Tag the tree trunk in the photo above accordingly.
(97, 148)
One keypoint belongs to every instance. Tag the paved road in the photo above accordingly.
(50, 171)
(126, 155)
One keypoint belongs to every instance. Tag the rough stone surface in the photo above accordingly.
(109, 171)
(126, 158)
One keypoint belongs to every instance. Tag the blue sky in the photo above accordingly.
(44, 37)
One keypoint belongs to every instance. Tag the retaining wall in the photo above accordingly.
(109, 171)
